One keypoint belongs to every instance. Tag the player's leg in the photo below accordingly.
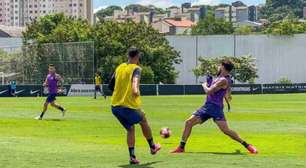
(189, 124)
(198, 117)
(102, 92)
(121, 114)
(53, 104)
(223, 126)
(45, 108)
(131, 144)
(147, 133)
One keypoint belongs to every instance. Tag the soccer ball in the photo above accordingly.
(165, 132)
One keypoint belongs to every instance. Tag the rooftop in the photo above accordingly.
(179, 23)
(11, 31)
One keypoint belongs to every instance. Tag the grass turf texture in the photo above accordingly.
(89, 136)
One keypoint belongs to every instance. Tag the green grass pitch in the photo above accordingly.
(89, 136)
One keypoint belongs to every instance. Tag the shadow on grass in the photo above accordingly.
(56, 120)
(145, 165)
(237, 152)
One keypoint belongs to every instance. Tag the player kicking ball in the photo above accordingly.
(213, 108)
(51, 83)
(126, 102)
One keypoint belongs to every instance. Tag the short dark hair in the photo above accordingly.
(228, 65)
(133, 52)
(51, 65)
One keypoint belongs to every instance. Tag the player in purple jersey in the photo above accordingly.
(51, 83)
(213, 108)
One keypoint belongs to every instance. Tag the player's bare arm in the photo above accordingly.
(214, 88)
(135, 85)
(228, 96)
(45, 82)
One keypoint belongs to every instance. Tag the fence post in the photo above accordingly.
(157, 89)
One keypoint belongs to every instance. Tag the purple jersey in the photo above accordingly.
(52, 83)
(217, 97)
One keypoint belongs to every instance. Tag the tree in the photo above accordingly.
(210, 26)
(245, 67)
(243, 30)
(57, 29)
(238, 4)
(142, 8)
(147, 75)
(286, 27)
(109, 11)
(112, 40)
(137, 8)
(275, 10)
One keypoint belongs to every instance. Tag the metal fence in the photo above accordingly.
(29, 64)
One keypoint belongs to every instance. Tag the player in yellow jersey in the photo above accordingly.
(126, 102)
(99, 85)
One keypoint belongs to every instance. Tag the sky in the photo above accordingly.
(98, 4)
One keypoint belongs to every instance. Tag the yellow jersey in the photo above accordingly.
(98, 80)
(123, 95)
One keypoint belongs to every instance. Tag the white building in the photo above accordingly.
(173, 26)
(21, 12)
(233, 14)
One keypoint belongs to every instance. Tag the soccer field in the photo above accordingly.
(89, 136)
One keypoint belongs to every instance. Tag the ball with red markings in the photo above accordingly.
(165, 132)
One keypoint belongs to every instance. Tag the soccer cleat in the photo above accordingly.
(38, 118)
(157, 147)
(63, 112)
(252, 149)
(134, 161)
(178, 150)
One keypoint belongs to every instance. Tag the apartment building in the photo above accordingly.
(304, 13)
(21, 12)
(233, 14)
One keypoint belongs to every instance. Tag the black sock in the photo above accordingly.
(61, 108)
(151, 143)
(182, 145)
(245, 144)
(42, 115)
(132, 152)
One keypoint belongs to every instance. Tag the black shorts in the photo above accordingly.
(98, 88)
(13, 91)
(51, 98)
(210, 110)
(126, 116)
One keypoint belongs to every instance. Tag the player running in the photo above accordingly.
(213, 108)
(98, 85)
(126, 102)
(51, 83)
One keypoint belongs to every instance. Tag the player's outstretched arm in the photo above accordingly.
(214, 88)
